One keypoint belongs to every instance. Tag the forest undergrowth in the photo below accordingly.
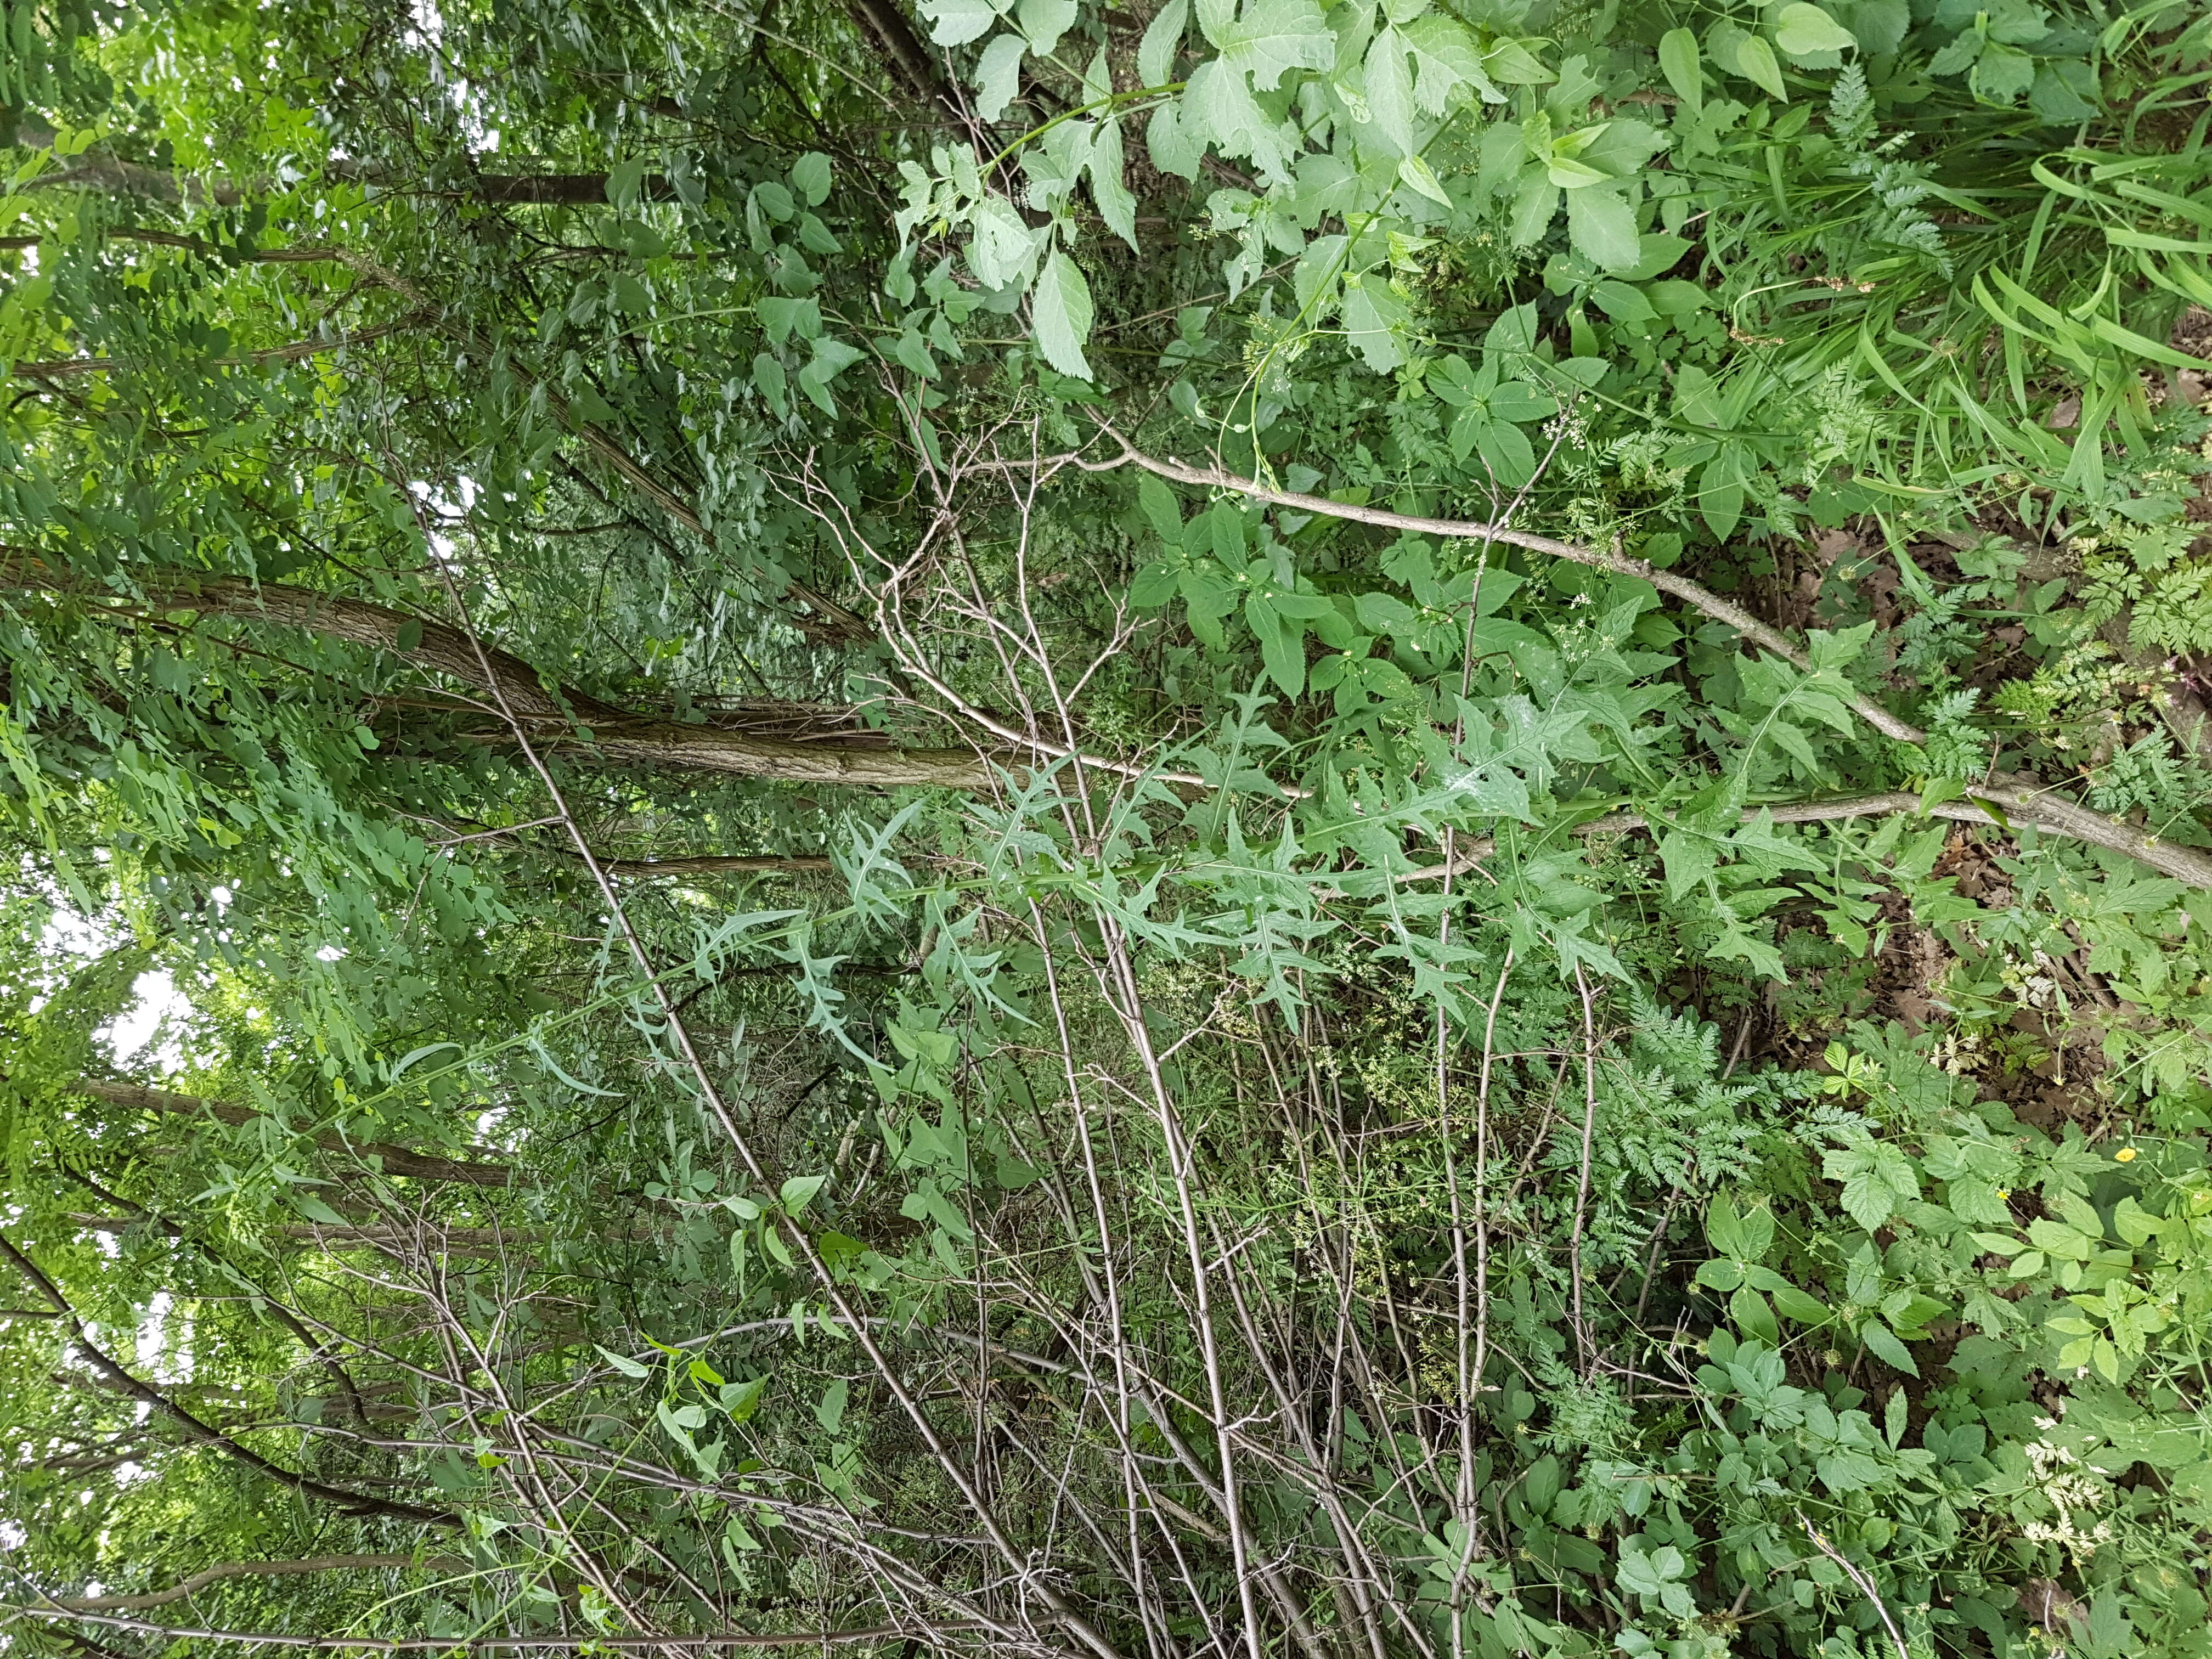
(1360, 831)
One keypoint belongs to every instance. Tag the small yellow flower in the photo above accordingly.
(2126, 1155)
(2004, 1195)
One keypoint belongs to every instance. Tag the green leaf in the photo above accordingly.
(999, 74)
(624, 1363)
(1801, 29)
(413, 1056)
(1156, 52)
(829, 1410)
(781, 318)
(1512, 64)
(1043, 21)
(1161, 508)
(740, 1400)
(1272, 38)
(1390, 90)
(1282, 645)
(2002, 73)
(956, 22)
(1602, 227)
(768, 377)
(1679, 60)
(1724, 1228)
(1883, 1343)
(799, 1192)
(1720, 1274)
(1372, 317)
(1759, 64)
(1061, 308)
(810, 177)
(315, 1210)
(409, 638)
(1793, 1303)
(1004, 244)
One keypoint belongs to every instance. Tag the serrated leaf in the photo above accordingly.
(1004, 244)
(1061, 307)
(1390, 90)
(1883, 1343)
(1793, 1303)
(1602, 227)
(1281, 646)
(1172, 149)
(1162, 510)
(1445, 58)
(999, 74)
(1156, 52)
(1109, 187)
(1720, 1274)
(1414, 172)
(1372, 316)
(1272, 38)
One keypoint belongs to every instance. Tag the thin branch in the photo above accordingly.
(1858, 1576)
(1773, 639)
(207, 1576)
(124, 1382)
(592, 1639)
(2016, 801)
(62, 367)
(397, 1160)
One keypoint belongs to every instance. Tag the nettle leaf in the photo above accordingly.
(1061, 308)
(1109, 188)
(1446, 58)
(1174, 148)
(1883, 1344)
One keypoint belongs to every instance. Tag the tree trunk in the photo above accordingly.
(573, 724)
(397, 1160)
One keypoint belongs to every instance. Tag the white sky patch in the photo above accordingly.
(166, 1349)
(160, 1011)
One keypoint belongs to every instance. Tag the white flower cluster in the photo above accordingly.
(2072, 1493)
